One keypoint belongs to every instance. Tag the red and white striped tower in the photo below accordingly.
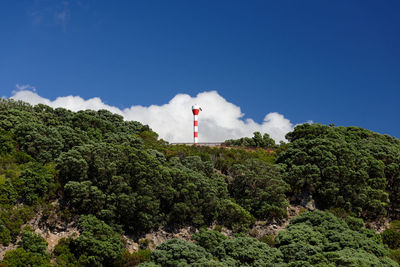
(196, 109)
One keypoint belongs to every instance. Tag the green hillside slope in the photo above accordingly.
(108, 177)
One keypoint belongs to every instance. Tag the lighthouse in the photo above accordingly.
(195, 109)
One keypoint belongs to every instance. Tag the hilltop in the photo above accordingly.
(90, 189)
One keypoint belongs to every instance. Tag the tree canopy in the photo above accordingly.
(344, 167)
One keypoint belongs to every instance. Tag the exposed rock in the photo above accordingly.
(308, 202)
(378, 226)
(155, 238)
(273, 227)
(53, 238)
(130, 245)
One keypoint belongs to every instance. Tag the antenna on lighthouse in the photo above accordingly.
(196, 109)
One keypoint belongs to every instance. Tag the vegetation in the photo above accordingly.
(312, 239)
(258, 140)
(111, 177)
(344, 167)
(31, 251)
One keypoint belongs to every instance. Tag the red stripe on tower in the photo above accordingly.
(196, 109)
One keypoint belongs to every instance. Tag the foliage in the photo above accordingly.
(208, 239)
(395, 255)
(33, 242)
(133, 259)
(258, 187)
(391, 238)
(37, 181)
(63, 255)
(141, 185)
(268, 239)
(235, 217)
(395, 225)
(97, 242)
(11, 220)
(247, 251)
(343, 167)
(321, 238)
(20, 257)
(258, 140)
(311, 239)
(355, 224)
(221, 157)
(178, 252)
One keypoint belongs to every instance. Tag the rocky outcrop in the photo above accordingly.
(48, 223)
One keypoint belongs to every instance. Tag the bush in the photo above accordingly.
(134, 259)
(12, 218)
(395, 255)
(355, 224)
(343, 167)
(391, 238)
(235, 217)
(259, 188)
(63, 254)
(268, 239)
(20, 257)
(97, 242)
(5, 235)
(208, 239)
(321, 238)
(247, 251)
(33, 242)
(178, 252)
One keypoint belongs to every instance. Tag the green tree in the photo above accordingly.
(258, 140)
(208, 239)
(22, 258)
(178, 252)
(321, 238)
(235, 216)
(247, 251)
(97, 242)
(344, 167)
(33, 242)
(259, 188)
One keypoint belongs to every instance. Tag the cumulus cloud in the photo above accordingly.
(219, 119)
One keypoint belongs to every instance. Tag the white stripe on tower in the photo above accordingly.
(195, 109)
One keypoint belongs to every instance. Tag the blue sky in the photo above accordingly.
(326, 61)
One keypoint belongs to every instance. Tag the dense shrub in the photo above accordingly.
(11, 219)
(20, 257)
(208, 239)
(63, 255)
(345, 167)
(258, 187)
(235, 217)
(33, 242)
(247, 251)
(321, 238)
(391, 238)
(133, 259)
(177, 252)
(258, 140)
(97, 242)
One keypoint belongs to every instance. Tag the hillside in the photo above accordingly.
(88, 188)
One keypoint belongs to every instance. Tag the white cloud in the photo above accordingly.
(219, 119)
(25, 87)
